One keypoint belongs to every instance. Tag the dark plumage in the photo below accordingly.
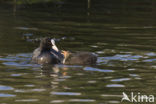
(81, 58)
(48, 53)
(45, 54)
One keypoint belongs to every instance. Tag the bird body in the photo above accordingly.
(81, 58)
(45, 54)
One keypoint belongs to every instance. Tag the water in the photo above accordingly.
(122, 36)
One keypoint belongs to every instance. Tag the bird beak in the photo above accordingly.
(53, 45)
(53, 42)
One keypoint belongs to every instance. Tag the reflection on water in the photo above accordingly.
(6, 95)
(5, 88)
(96, 69)
(122, 36)
(65, 93)
(27, 100)
(115, 85)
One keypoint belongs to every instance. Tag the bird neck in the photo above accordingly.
(44, 48)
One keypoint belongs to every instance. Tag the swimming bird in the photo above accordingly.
(47, 53)
(79, 58)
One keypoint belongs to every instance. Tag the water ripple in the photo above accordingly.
(65, 93)
(5, 87)
(73, 100)
(115, 85)
(26, 28)
(150, 54)
(114, 102)
(27, 100)
(57, 101)
(19, 60)
(106, 95)
(31, 90)
(120, 79)
(82, 100)
(16, 75)
(96, 69)
(150, 60)
(120, 57)
(6, 95)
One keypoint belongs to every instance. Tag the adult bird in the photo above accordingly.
(47, 53)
